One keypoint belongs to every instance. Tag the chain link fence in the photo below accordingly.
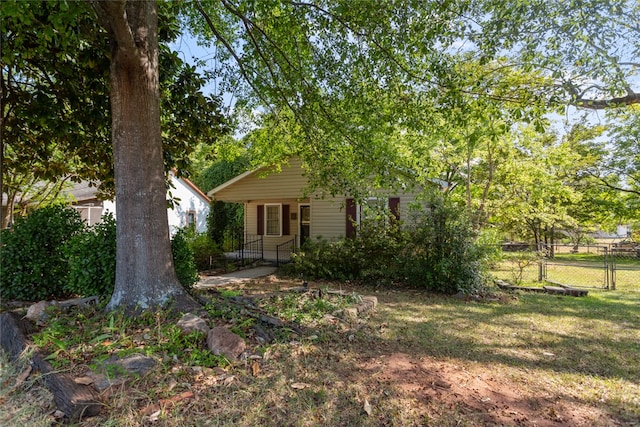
(581, 266)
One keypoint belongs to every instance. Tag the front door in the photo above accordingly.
(305, 223)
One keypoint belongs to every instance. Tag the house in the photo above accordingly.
(190, 205)
(277, 211)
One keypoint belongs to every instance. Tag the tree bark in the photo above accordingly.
(145, 276)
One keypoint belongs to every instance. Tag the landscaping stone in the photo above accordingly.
(190, 323)
(368, 303)
(37, 312)
(116, 371)
(222, 341)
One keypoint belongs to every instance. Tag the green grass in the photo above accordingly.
(585, 349)
(579, 270)
(549, 354)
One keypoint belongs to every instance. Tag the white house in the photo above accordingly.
(190, 204)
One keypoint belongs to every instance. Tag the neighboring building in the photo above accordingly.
(622, 232)
(276, 208)
(86, 202)
(190, 206)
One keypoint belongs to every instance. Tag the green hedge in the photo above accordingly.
(32, 261)
(92, 260)
(52, 254)
(435, 250)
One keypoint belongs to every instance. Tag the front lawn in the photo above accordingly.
(418, 359)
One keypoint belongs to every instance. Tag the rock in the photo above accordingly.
(350, 313)
(116, 371)
(190, 322)
(222, 341)
(38, 312)
(137, 364)
(368, 303)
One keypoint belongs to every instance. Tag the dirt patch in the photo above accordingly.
(480, 396)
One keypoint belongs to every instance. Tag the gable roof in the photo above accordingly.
(264, 183)
(232, 181)
(192, 186)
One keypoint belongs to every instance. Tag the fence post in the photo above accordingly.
(612, 269)
(541, 275)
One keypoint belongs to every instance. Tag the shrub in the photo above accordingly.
(202, 248)
(183, 261)
(52, 254)
(371, 255)
(92, 260)
(437, 251)
(441, 253)
(32, 262)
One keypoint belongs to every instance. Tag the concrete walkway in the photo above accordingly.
(234, 277)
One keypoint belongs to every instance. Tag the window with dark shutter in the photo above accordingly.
(394, 207)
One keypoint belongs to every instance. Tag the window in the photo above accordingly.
(191, 219)
(272, 220)
(373, 210)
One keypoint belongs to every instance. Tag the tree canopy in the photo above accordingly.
(424, 89)
(55, 100)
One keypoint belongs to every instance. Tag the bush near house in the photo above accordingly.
(183, 260)
(52, 254)
(33, 264)
(202, 248)
(92, 260)
(435, 250)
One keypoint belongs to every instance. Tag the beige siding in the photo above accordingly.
(289, 183)
(328, 218)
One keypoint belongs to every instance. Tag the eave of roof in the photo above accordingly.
(191, 185)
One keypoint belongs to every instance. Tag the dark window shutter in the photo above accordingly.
(285, 220)
(260, 220)
(394, 207)
(352, 216)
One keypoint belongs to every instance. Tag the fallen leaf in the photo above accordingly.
(367, 407)
(23, 375)
(83, 380)
(166, 404)
(154, 416)
(255, 369)
(300, 386)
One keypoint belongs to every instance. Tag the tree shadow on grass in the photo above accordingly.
(595, 339)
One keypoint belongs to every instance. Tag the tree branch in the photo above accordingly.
(112, 15)
(601, 104)
(231, 51)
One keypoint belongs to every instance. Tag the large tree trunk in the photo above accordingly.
(145, 277)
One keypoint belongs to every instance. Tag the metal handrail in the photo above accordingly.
(251, 250)
(291, 244)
